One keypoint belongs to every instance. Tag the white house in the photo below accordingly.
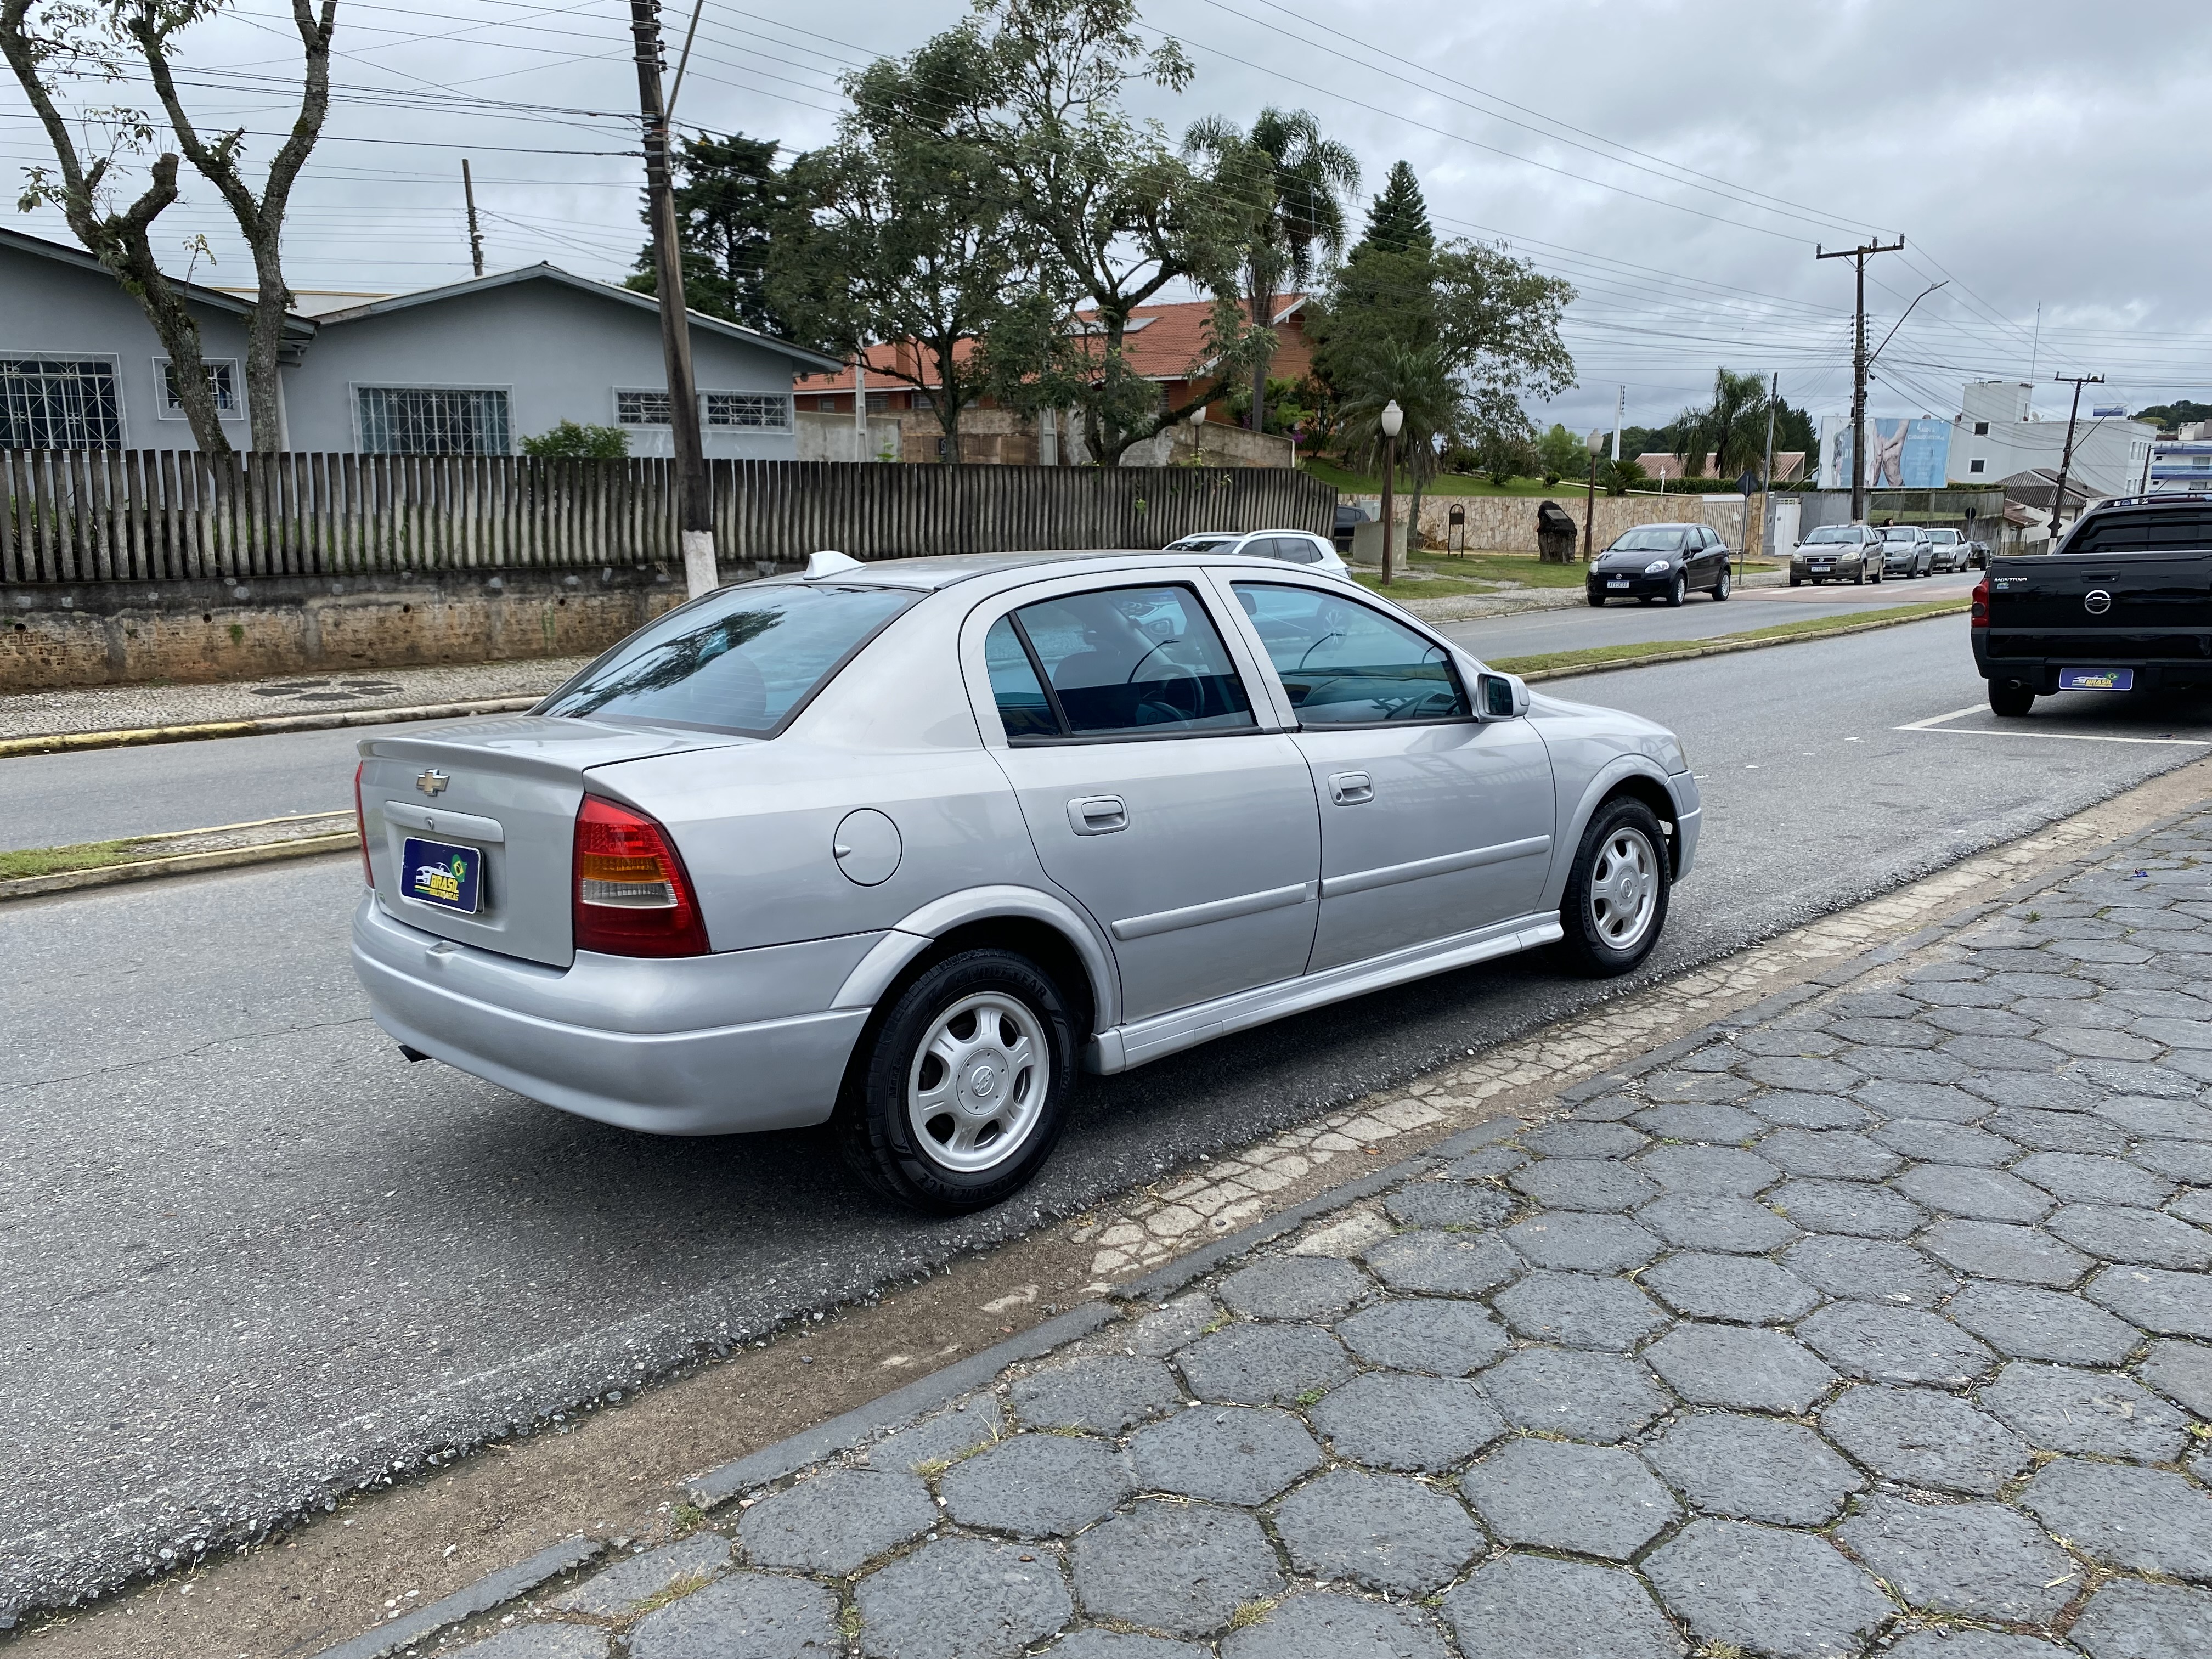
(1997, 434)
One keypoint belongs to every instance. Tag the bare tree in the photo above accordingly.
(67, 40)
(151, 26)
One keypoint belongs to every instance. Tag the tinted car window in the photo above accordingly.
(2160, 530)
(1023, 708)
(1293, 549)
(743, 660)
(1132, 661)
(1345, 664)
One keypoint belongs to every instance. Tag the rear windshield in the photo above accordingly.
(2156, 530)
(1833, 533)
(742, 661)
(1649, 541)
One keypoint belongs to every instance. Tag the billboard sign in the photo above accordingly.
(1901, 454)
(2108, 411)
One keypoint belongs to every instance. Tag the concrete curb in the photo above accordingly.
(481, 1596)
(181, 864)
(926, 1394)
(63, 743)
(1723, 648)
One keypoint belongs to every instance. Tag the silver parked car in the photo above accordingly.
(1289, 546)
(1952, 551)
(900, 846)
(1906, 551)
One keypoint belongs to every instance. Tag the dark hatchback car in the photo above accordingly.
(1661, 562)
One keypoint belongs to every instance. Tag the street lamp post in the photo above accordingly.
(1394, 421)
(1596, 442)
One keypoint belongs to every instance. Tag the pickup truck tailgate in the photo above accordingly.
(2099, 608)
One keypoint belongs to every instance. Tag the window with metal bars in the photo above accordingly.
(641, 408)
(432, 420)
(757, 411)
(222, 375)
(60, 402)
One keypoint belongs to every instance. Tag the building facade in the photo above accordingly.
(472, 367)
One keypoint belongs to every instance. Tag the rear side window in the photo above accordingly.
(1126, 662)
(2166, 530)
(1294, 550)
(1023, 708)
(1345, 664)
(743, 660)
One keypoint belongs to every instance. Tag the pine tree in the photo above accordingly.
(1398, 219)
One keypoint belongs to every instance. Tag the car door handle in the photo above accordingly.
(1097, 815)
(1351, 788)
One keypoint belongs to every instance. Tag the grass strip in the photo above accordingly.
(1598, 656)
(84, 855)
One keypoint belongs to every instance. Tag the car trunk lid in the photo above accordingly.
(494, 801)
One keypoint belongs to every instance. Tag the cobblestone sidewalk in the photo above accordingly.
(1879, 1324)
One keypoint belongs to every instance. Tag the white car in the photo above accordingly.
(1289, 546)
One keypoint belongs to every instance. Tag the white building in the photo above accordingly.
(1997, 435)
(2186, 465)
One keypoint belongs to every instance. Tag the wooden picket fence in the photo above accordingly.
(166, 515)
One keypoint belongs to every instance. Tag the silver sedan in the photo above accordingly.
(900, 847)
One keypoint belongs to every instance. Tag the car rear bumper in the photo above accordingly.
(2041, 674)
(519, 1024)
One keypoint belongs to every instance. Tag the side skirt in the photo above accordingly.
(1142, 1041)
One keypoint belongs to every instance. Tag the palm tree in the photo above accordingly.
(1419, 380)
(1312, 176)
(1733, 427)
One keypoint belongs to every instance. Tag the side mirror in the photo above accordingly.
(1500, 696)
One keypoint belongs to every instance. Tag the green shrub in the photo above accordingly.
(570, 441)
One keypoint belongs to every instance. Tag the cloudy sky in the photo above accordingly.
(1678, 163)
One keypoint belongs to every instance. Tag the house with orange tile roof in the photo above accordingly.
(1167, 344)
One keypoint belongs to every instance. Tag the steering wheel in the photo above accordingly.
(1175, 684)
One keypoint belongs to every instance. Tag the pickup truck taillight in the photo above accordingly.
(633, 897)
(1981, 616)
(361, 828)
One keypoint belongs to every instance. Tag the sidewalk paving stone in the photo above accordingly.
(1884, 1309)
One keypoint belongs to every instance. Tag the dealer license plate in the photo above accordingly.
(2096, 680)
(435, 872)
(1618, 581)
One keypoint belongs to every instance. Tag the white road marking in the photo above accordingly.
(1936, 723)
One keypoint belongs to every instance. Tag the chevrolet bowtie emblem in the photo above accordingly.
(431, 782)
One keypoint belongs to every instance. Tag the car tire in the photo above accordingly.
(2009, 699)
(1679, 592)
(1597, 601)
(1796, 581)
(1859, 579)
(1615, 905)
(1008, 1026)
(1721, 588)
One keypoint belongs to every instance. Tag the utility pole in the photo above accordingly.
(475, 236)
(1766, 476)
(2066, 459)
(1857, 256)
(694, 499)
(1620, 414)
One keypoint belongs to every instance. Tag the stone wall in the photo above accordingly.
(1507, 524)
(122, 633)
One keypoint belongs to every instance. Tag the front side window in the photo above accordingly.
(1130, 662)
(745, 660)
(1345, 664)
(641, 408)
(60, 402)
(432, 420)
(755, 412)
(223, 376)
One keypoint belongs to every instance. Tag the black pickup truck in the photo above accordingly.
(2123, 603)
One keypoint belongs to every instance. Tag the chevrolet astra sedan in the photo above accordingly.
(901, 846)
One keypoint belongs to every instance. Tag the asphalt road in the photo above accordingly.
(253, 1254)
(1698, 618)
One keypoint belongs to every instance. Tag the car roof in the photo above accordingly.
(940, 570)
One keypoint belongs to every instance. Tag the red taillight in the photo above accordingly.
(1981, 616)
(361, 828)
(633, 898)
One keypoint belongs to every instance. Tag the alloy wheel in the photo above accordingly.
(1624, 888)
